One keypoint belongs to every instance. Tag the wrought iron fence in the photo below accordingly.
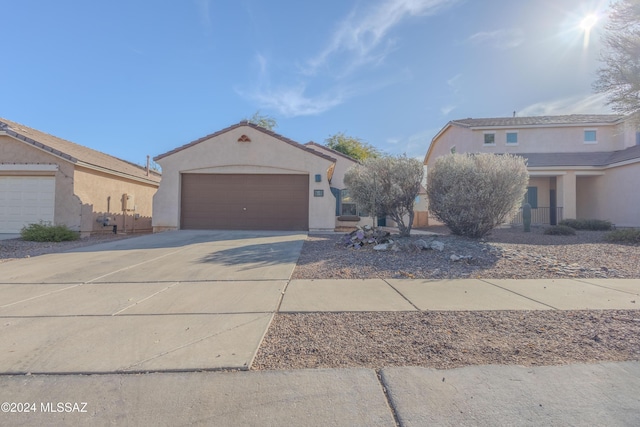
(540, 215)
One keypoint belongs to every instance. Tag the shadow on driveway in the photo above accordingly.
(257, 255)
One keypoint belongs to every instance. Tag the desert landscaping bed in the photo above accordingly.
(449, 339)
(504, 254)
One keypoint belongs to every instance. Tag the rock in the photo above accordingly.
(421, 244)
(454, 258)
(437, 246)
(381, 247)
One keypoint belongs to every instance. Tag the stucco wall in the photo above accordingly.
(612, 196)
(224, 154)
(102, 193)
(533, 140)
(67, 205)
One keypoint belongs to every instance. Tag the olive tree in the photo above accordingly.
(387, 185)
(473, 193)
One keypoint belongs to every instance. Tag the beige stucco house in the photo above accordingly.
(48, 179)
(580, 166)
(245, 177)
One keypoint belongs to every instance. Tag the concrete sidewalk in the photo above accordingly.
(606, 394)
(460, 295)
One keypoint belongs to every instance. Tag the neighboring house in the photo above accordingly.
(580, 166)
(47, 179)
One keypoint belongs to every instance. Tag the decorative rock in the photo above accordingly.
(381, 247)
(421, 244)
(437, 246)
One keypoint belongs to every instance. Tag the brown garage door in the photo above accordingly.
(245, 202)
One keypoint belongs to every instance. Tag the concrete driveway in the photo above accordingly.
(185, 300)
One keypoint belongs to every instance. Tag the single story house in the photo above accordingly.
(248, 177)
(581, 166)
(47, 179)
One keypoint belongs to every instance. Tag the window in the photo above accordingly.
(590, 137)
(531, 197)
(490, 138)
(348, 206)
(512, 138)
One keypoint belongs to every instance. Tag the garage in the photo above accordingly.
(244, 201)
(25, 200)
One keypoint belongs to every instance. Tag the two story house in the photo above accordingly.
(580, 166)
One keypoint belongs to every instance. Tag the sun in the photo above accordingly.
(588, 22)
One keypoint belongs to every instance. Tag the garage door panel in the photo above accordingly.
(25, 200)
(246, 202)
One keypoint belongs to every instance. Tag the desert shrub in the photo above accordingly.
(473, 193)
(587, 224)
(626, 235)
(387, 185)
(560, 230)
(48, 233)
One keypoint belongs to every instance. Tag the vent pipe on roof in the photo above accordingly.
(148, 165)
(514, 113)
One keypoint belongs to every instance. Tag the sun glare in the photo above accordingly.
(589, 22)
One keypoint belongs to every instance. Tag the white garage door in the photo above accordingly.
(25, 200)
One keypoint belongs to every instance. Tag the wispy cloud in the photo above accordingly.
(204, 12)
(499, 39)
(579, 104)
(361, 39)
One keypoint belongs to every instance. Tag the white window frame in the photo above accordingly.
(584, 136)
(506, 142)
(484, 144)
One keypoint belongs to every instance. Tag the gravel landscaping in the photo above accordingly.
(504, 254)
(454, 339)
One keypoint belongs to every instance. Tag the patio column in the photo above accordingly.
(566, 188)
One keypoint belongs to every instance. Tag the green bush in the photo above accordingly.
(560, 230)
(48, 233)
(587, 224)
(628, 235)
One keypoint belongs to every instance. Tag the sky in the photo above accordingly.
(133, 78)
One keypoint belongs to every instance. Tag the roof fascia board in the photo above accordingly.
(559, 125)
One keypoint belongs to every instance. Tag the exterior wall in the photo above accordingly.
(67, 205)
(224, 154)
(588, 206)
(342, 165)
(101, 195)
(612, 196)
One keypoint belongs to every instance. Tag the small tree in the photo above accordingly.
(352, 146)
(473, 193)
(387, 185)
(263, 121)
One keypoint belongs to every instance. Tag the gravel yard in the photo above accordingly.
(505, 254)
(454, 339)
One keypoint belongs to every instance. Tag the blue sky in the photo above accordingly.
(138, 77)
